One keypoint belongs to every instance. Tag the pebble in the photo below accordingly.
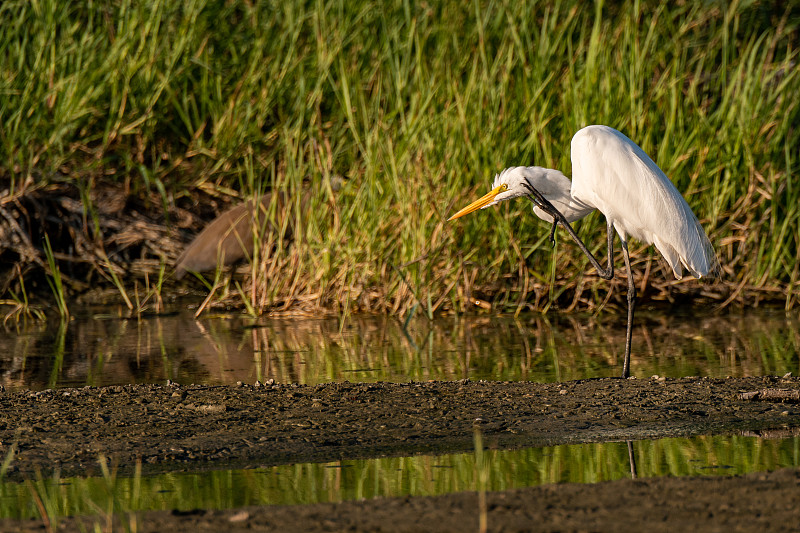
(212, 408)
(258, 384)
(239, 517)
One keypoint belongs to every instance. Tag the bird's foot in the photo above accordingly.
(540, 201)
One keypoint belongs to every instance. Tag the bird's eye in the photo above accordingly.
(504, 188)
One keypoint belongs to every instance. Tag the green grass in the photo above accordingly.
(418, 106)
(54, 280)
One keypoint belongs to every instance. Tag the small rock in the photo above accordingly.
(562, 391)
(270, 381)
(787, 375)
(212, 408)
(239, 517)
(258, 384)
(239, 384)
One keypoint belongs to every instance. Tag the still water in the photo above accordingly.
(99, 348)
(492, 470)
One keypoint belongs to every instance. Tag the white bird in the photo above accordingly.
(612, 174)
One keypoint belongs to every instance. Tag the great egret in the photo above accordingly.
(612, 174)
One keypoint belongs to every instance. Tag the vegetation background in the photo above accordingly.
(416, 105)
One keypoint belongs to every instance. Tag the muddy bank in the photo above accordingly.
(183, 427)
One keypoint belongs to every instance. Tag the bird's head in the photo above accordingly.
(514, 182)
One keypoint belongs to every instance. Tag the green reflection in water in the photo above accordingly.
(224, 350)
(398, 476)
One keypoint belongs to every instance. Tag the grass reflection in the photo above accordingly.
(394, 476)
(223, 350)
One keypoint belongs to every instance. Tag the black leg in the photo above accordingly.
(558, 218)
(626, 365)
(553, 234)
(606, 273)
(632, 459)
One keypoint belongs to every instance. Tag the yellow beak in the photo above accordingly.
(480, 202)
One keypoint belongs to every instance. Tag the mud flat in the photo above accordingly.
(188, 427)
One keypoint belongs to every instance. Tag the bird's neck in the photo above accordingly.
(557, 188)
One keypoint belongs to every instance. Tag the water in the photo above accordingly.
(399, 476)
(102, 349)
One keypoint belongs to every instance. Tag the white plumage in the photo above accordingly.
(612, 174)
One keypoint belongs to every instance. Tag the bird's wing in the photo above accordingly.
(617, 177)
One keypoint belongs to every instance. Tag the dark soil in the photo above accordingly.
(180, 427)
